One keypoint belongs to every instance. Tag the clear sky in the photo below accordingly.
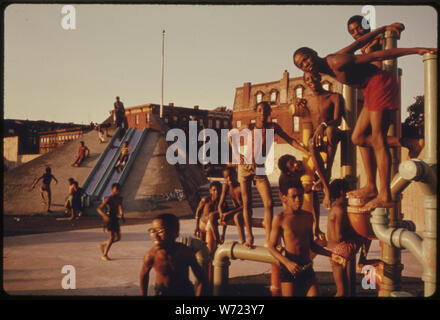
(74, 75)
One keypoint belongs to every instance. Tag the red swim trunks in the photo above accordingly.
(345, 249)
(381, 92)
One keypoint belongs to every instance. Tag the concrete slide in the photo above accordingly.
(98, 184)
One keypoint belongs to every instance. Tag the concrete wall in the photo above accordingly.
(11, 158)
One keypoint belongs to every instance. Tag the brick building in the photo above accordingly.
(281, 95)
(178, 117)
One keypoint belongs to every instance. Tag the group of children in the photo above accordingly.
(297, 226)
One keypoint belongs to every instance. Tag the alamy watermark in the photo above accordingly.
(208, 153)
(369, 279)
(69, 280)
(68, 19)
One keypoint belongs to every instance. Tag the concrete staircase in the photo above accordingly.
(257, 202)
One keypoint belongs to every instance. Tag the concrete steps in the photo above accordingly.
(257, 202)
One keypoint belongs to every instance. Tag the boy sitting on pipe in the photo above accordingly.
(231, 187)
(295, 227)
(380, 91)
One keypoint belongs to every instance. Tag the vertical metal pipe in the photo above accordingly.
(348, 150)
(163, 62)
(392, 256)
(430, 203)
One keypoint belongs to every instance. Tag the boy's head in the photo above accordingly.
(164, 229)
(48, 170)
(125, 144)
(312, 80)
(81, 143)
(214, 189)
(355, 27)
(288, 163)
(229, 174)
(338, 188)
(263, 111)
(292, 194)
(305, 59)
(71, 180)
(116, 188)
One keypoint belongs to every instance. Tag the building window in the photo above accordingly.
(238, 124)
(273, 97)
(175, 119)
(275, 120)
(201, 122)
(295, 124)
(217, 124)
(136, 119)
(225, 124)
(166, 119)
(148, 118)
(253, 121)
(299, 92)
(259, 97)
(209, 123)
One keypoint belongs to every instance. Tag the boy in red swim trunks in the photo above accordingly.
(342, 240)
(379, 89)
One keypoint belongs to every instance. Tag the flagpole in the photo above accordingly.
(161, 96)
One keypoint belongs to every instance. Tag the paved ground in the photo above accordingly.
(33, 263)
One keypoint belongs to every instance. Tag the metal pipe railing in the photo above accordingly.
(230, 251)
(425, 174)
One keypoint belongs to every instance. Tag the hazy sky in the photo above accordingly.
(74, 75)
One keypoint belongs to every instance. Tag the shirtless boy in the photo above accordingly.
(113, 205)
(47, 178)
(325, 111)
(171, 261)
(291, 169)
(247, 170)
(380, 91)
(83, 152)
(295, 227)
(70, 204)
(123, 157)
(207, 217)
(341, 238)
(232, 188)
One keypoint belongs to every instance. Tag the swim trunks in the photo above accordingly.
(247, 172)
(345, 249)
(381, 92)
(303, 277)
(113, 224)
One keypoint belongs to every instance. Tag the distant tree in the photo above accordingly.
(413, 127)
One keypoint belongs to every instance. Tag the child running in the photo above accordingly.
(295, 227)
(47, 178)
(113, 205)
(341, 238)
(171, 261)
